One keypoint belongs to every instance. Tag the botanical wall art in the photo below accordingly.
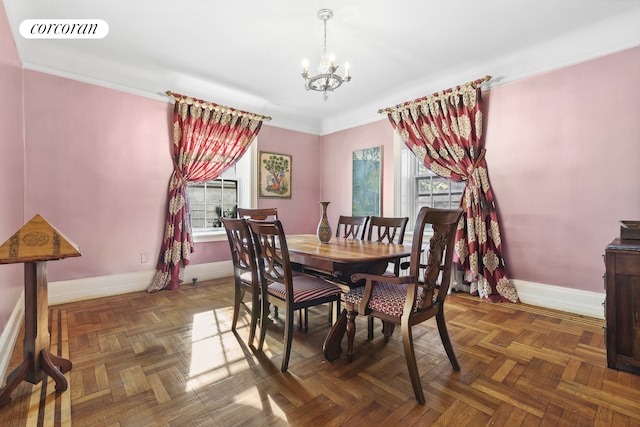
(274, 177)
(367, 175)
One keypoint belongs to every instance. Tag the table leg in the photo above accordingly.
(14, 379)
(50, 364)
(351, 333)
(332, 347)
(37, 361)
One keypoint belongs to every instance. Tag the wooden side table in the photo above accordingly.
(622, 258)
(34, 244)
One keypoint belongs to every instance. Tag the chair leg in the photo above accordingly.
(255, 314)
(237, 299)
(288, 338)
(303, 317)
(369, 328)
(387, 329)
(410, 356)
(446, 341)
(264, 311)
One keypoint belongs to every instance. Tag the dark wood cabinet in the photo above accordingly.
(622, 281)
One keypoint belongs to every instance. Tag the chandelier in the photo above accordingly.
(326, 81)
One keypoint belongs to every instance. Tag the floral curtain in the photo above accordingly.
(207, 139)
(444, 131)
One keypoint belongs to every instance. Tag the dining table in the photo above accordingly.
(337, 260)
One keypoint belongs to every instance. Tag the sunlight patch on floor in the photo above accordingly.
(258, 399)
(215, 352)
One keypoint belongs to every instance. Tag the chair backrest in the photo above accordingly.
(437, 271)
(243, 253)
(272, 253)
(259, 213)
(352, 227)
(387, 229)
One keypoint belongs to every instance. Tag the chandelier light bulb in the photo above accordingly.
(326, 81)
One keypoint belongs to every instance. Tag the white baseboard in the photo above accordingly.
(115, 284)
(556, 297)
(10, 336)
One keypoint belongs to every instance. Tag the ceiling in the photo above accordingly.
(248, 53)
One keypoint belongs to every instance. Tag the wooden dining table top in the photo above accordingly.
(343, 250)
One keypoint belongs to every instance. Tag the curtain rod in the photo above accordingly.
(190, 100)
(473, 84)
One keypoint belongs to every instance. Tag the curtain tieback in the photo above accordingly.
(177, 179)
(477, 162)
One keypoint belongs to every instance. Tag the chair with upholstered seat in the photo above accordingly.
(280, 287)
(388, 230)
(265, 214)
(412, 299)
(272, 214)
(245, 270)
(351, 227)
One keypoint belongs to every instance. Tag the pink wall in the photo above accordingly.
(563, 150)
(337, 158)
(11, 163)
(98, 165)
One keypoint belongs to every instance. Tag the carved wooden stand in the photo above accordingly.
(38, 361)
(31, 245)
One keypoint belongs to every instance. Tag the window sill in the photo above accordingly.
(209, 236)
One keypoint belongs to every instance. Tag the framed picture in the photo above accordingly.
(274, 175)
(367, 182)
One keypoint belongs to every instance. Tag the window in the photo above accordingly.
(417, 186)
(211, 200)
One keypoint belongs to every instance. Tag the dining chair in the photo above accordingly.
(351, 227)
(245, 271)
(258, 213)
(280, 287)
(410, 300)
(389, 230)
(272, 214)
(264, 214)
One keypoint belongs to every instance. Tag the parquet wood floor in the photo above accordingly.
(170, 359)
